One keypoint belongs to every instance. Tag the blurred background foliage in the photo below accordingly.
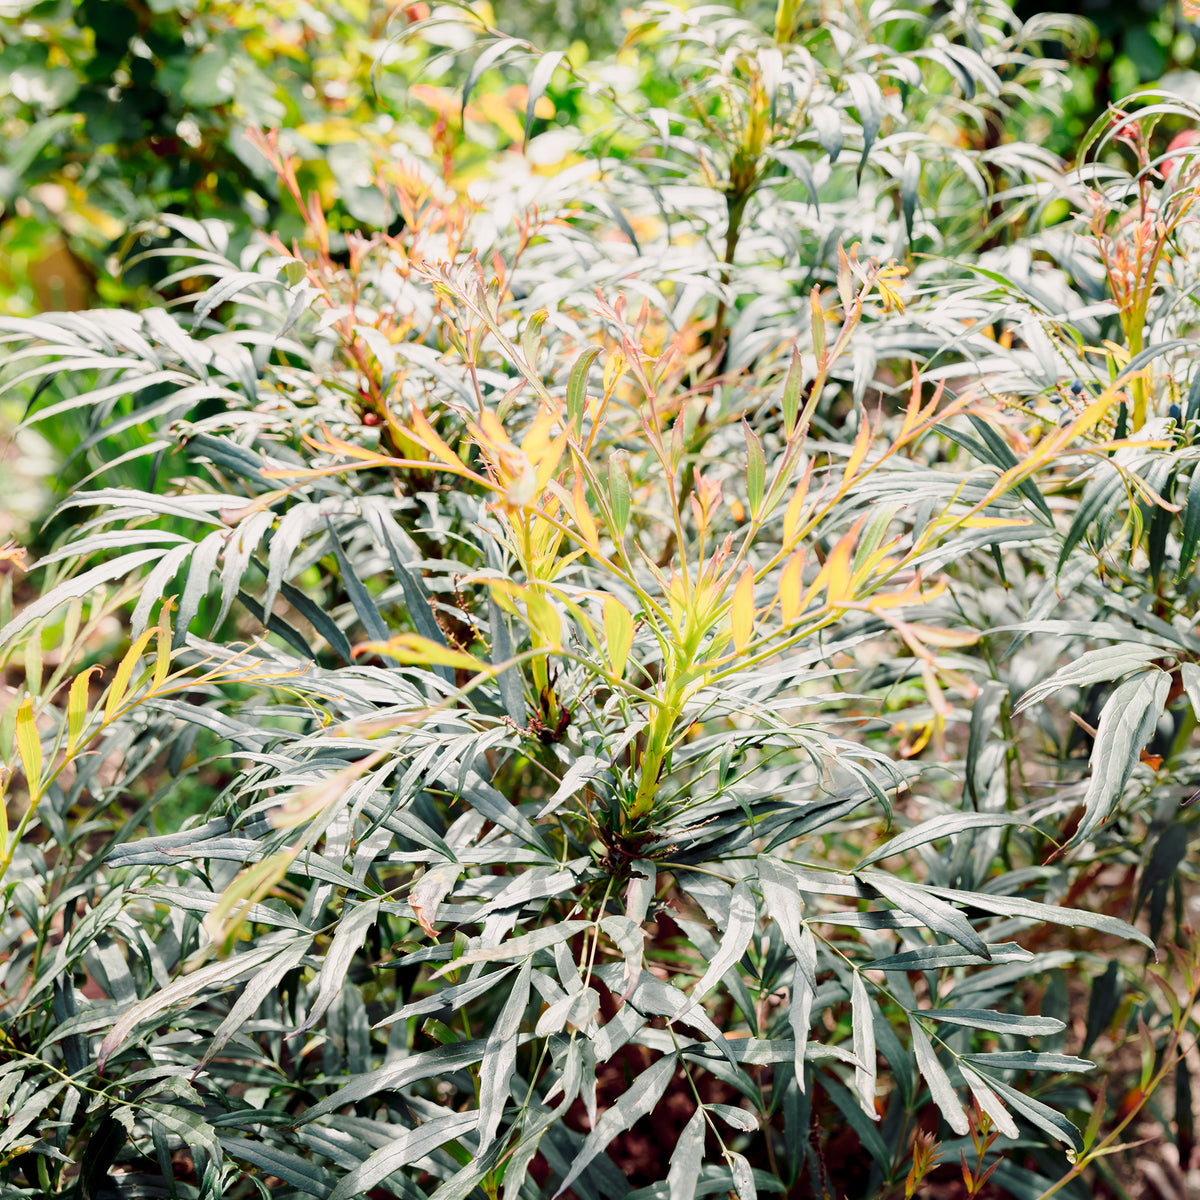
(113, 112)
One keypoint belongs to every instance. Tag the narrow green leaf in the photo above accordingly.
(1030, 1060)
(990, 1103)
(847, 1104)
(188, 988)
(936, 958)
(577, 389)
(687, 1159)
(638, 1100)
(394, 1076)
(303, 1174)
(910, 180)
(1003, 457)
(253, 994)
(799, 166)
(930, 910)
(743, 1176)
(792, 388)
(360, 598)
(618, 494)
(1039, 1114)
(742, 923)
(501, 1059)
(519, 947)
(1127, 722)
(868, 100)
(863, 1031)
(1100, 498)
(509, 681)
(408, 1146)
(539, 81)
(940, 827)
(73, 589)
(1190, 673)
(29, 747)
(1103, 1002)
(1168, 853)
(756, 469)
(352, 928)
(530, 335)
(1092, 666)
(994, 1022)
(484, 60)
(935, 1076)
(985, 719)
(1185, 1130)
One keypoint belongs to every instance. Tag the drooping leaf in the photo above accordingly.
(638, 1100)
(940, 1089)
(1127, 722)
(863, 1030)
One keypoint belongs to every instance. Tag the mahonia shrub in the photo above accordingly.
(565, 649)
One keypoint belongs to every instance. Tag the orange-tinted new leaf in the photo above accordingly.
(741, 610)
